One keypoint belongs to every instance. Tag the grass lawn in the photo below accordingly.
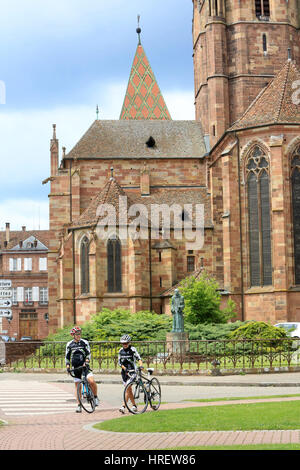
(203, 400)
(254, 416)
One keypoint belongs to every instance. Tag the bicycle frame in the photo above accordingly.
(145, 386)
(85, 391)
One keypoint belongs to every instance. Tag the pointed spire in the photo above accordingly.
(143, 98)
(54, 132)
(138, 30)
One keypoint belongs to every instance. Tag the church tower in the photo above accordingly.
(239, 46)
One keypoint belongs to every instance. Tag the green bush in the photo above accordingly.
(110, 325)
(258, 330)
(203, 301)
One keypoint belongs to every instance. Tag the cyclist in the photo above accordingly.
(127, 358)
(78, 353)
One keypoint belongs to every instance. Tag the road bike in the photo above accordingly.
(85, 395)
(141, 391)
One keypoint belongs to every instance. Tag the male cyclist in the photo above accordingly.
(78, 353)
(127, 358)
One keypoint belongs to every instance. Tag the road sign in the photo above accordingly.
(5, 283)
(5, 293)
(5, 313)
(6, 303)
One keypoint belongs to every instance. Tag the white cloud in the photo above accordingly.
(180, 104)
(28, 154)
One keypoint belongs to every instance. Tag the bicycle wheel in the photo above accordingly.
(154, 394)
(86, 399)
(135, 398)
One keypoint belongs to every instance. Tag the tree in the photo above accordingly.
(203, 301)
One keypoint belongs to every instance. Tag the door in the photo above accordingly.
(28, 325)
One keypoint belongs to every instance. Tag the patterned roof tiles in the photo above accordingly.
(143, 98)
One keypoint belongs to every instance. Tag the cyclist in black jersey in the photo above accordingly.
(78, 353)
(127, 358)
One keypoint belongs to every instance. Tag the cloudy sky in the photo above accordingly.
(58, 60)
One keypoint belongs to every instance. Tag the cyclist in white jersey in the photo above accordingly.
(127, 359)
(78, 353)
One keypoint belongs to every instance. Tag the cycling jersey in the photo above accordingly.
(77, 352)
(128, 357)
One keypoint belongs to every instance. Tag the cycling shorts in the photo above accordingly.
(125, 377)
(78, 375)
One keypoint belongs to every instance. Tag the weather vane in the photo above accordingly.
(138, 29)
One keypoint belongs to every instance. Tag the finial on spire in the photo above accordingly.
(64, 151)
(289, 54)
(97, 112)
(54, 131)
(138, 29)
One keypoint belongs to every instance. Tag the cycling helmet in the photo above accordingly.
(75, 330)
(125, 339)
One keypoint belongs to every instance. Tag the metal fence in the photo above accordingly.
(177, 356)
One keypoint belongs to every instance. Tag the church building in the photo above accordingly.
(238, 162)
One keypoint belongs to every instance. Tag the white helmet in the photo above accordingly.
(125, 339)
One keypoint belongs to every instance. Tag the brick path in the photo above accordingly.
(74, 431)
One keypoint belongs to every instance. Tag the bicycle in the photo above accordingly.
(143, 390)
(85, 394)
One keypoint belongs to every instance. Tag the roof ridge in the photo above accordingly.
(287, 67)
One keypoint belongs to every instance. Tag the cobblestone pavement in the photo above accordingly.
(71, 431)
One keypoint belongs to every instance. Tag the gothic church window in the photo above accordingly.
(258, 187)
(296, 211)
(114, 265)
(84, 265)
(262, 9)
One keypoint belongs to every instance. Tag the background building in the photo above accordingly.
(23, 260)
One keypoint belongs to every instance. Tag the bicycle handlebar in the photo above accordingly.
(71, 371)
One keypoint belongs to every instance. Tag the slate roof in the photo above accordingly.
(143, 98)
(15, 236)
(276, 103)
(127, 139)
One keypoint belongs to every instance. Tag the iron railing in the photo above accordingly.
(192, 356)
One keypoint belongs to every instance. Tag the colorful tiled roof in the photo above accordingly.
(277, 103)
(143, 98)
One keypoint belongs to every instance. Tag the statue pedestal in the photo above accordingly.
(177, 342)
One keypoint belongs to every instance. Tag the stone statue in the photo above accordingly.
(177, 307)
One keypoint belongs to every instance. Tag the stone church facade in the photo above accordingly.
(239, 160)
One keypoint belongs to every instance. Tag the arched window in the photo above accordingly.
(84, 265)
(258, 187)
(262, 8)
(114, 265)
(296, 211)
